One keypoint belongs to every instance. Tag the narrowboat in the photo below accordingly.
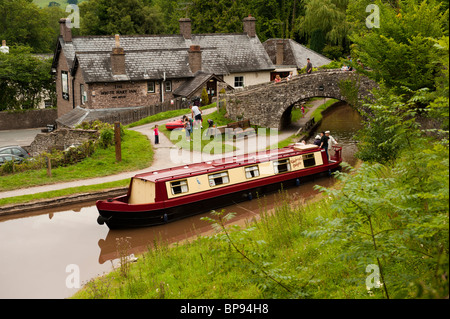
(170, 194)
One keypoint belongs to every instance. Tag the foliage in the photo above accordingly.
(105, 17)
(349, 89)
(24, 79)
(23, 23)
(397, 218)
(333, 52)
(332, 65)
(106, 131)
(205, 97)
(326, 18)
(401, 52)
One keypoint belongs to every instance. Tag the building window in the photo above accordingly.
(65, 85)
(309, 160)
(151, 87)
(179, 187)
(252, 171)
(168, 86)
(281, 166)
(238, 81)
(83, 94)
(218, 179)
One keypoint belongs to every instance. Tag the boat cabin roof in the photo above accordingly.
(179, 172)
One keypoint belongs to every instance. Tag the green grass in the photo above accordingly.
(211, 145)
(166, 115)
(137, 153)
(44, 3)
(63, 192)
(317, 114)
(281, 263)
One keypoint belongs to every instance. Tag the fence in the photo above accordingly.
(135, 114)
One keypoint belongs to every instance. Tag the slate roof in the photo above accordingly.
(294, 53)
(147, 57)
(192, 85)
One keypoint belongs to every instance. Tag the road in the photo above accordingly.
(18, 137)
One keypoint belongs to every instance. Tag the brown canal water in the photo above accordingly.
(47, 254)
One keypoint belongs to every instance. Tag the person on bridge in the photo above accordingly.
(308, 66)
(289, 77)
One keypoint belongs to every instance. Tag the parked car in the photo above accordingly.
(9, 157)
(14, 150)
(174, 125)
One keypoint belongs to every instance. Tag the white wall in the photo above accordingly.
(250, 78)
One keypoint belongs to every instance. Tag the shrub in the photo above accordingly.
(205, 98)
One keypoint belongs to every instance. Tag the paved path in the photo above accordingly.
(167, 155)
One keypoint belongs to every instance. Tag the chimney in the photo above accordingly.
(4, 48)
(185, 27)
(117, 58)
(65, 29)
(195, 58)
(280, 52)
(249, 26)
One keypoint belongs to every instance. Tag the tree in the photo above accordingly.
(401, 52)
(24, 23)
(325, 20)
(105, 17)
(24, 79)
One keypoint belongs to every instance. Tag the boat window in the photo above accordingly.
(179, 187)
(218, 179)
(281, 166)
(252, 171)
(309, 160)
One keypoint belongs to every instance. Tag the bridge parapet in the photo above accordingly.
(264, 104)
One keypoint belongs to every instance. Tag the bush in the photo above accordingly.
(205, 98)
(333, 52)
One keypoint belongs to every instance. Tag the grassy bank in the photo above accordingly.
(272, 258)
(137, 153)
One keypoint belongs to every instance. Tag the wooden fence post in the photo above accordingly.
(117, 141)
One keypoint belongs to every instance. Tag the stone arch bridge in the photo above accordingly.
(270, 104)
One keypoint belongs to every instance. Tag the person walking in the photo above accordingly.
(308, 66)
(156, 134)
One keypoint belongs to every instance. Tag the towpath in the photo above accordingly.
(164, 154)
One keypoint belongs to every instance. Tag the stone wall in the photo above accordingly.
(60, 140)
(265, 104)
(27, 119)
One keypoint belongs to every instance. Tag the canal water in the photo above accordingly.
(46, 254)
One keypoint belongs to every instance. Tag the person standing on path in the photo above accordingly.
(156, 134)
(196, 114)
(308, 66)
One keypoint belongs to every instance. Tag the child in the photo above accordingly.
(187, 127)
(156, 133)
